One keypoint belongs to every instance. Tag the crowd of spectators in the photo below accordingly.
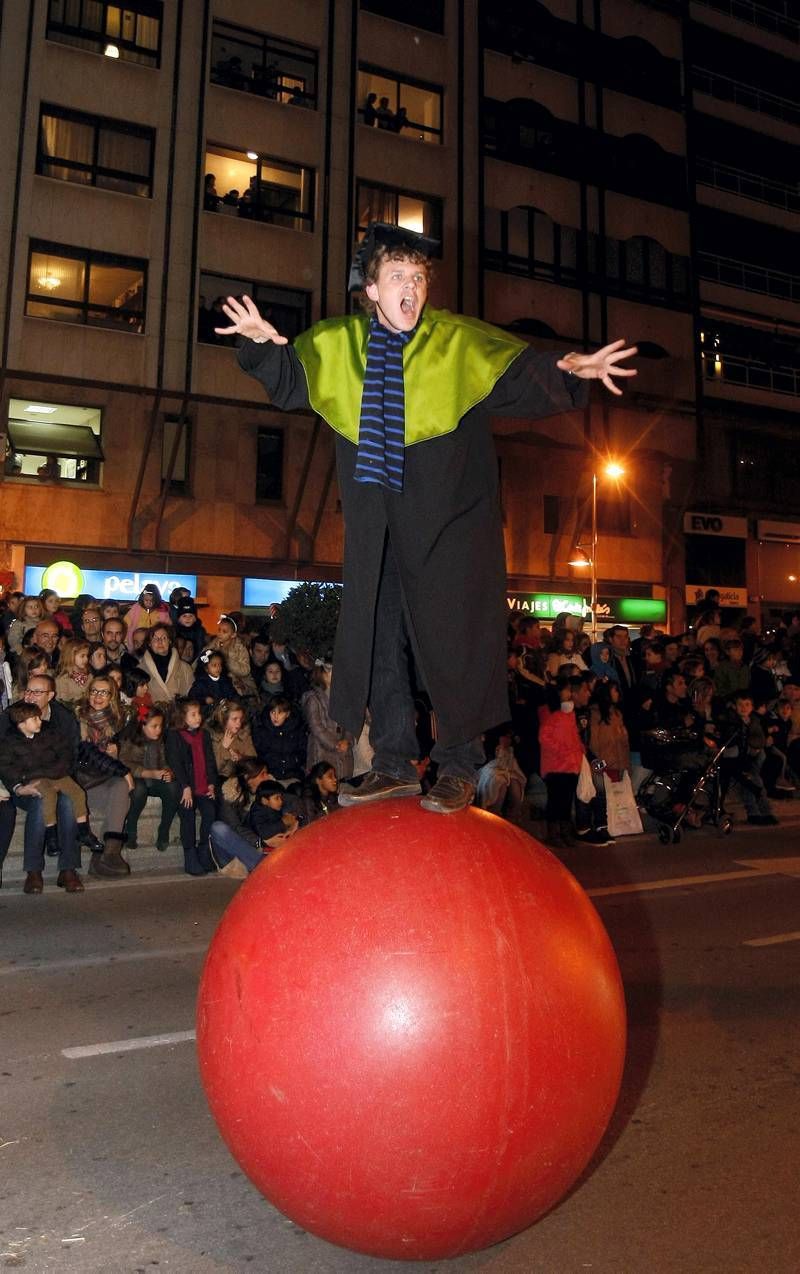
(231, 732)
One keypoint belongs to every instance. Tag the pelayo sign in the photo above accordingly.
(69, 580)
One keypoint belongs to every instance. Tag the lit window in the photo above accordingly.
(262, 64)
(53, 442)
(407, 107)
(130, 31)
(420, 213)
(93, 151)
(76, 285)
(260, 189)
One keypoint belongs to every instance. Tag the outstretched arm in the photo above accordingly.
(601, 365)
(246, 321)
(266, 355)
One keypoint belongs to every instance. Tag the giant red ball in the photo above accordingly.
(411, 1030)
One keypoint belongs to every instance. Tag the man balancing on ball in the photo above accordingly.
(410, 392)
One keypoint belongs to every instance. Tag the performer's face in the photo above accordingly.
(400, 294)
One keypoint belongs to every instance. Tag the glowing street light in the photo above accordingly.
(611, 469)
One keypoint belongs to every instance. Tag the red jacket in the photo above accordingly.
(559, 742)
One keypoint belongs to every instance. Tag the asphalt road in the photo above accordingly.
(110, 1162)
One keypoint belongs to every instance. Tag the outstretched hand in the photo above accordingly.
(246, 321)
(601, 365)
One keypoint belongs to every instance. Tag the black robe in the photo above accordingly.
(446, 533)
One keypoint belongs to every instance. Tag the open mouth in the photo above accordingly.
(408, 305)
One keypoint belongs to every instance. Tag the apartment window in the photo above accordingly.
(427, 14)
(287, 309)
(94, 151)
(174, 427)
(403, 106)
(420, 213)
(255, 63)
(526, 241)
(552, 514)
(130, 31)
(255, 187)
(76, 285)
(269, 464)
(53, 442)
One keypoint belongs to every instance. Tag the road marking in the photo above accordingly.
(675, 882)
(128, 1046)
(88, 962)
(775, 866)
(774, 941)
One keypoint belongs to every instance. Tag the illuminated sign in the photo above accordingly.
(636, 610)
(546, 605)
(266, 592)
(728, 596)
(69, 580)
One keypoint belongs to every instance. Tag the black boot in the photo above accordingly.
(191, 863)
(87, 838)
(51, 845)
(110, 864)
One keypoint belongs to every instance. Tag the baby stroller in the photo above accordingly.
(676, 795)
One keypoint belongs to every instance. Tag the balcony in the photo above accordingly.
(748, 278)
(749, 185)
(775, 20)
(749, 374)
(724, 89)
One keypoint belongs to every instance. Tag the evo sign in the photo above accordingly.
(69, 580)
(714, 524)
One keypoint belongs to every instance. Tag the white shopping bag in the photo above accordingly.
(623, 816)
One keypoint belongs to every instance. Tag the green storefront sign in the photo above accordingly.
(546, 605)
(610, 610)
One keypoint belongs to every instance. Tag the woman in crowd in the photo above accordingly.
(170, 677)
(107, 781)
(52, 609)
(237, 659)
(319, 793)
(142, 749)
(234, 844)
(712, 654)
(72, 673)
(98, 659)
(30, 662)
(230, 737)
(326, 740)
(100, 714)
(147, 611)
(27, 617)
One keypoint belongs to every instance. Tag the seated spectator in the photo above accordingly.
(190, 756)
(142, 748)
(98, 660)
(318, 794)
(137, 688)
(779, 777)
(731, 674)
(500, 787)
(743, 758)
(296, 678)
(13, 601)
(188, 626)
(230, 737)
(52, 609)
(234, 845)
(91, 625)
(5, 675)
(28, 757)
(170, 677)
(101, 716)
(29, 663)
(259, 654)
(138, 641)
(29, 612)
(112, 634)
(212, 685)
(72, 673)
(110, 609)
(272, 683)
(281, 739)
(268, 819)
(237, 659)
(147, 611)
(327, 741)
(764, 685)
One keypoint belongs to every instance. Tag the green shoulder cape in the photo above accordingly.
(452, 363)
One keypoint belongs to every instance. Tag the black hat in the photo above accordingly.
(185, 607)
(380, 234)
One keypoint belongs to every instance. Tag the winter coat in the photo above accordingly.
(204, 687)
(47, 755)
(138, 617)
(179, 759)
(228, 758)
(608, 740)
(446, 533)
(282, 748)
(266, 822)
(237, 662)
(559, 742)
(324, 734)
(68, 690)
(178, 682)
(132, 754)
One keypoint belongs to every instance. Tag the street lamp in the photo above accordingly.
(612, 469)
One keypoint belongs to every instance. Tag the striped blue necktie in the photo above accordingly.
(382, 427)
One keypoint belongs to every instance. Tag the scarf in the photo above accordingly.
(80, 677)
(100, 726)
(194, 738)
(382, 426)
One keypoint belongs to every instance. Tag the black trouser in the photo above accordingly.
(392, 732)
(8, 819)
(168, 793)
(560, 795)
(208, 812)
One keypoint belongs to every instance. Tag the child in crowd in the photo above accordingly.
(190, 756)
(98, 659)
(72, 672)
(28, 756)
(52, 609)
(142, 748)
(29, 613)
(188, 626)
(267, 818)
(562, 753)
(281, 740)
(744, 757)
(211, 684)
(137, 688)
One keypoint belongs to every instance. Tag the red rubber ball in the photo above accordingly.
(411, 1030)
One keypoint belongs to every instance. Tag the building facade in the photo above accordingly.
(577, 162)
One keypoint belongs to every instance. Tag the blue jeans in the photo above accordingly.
(33, 851)
(227, 844)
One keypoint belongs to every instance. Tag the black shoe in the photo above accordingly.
(51, 845)
(595, 836)
(87, 838)
(377, 787)
(448, 795)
